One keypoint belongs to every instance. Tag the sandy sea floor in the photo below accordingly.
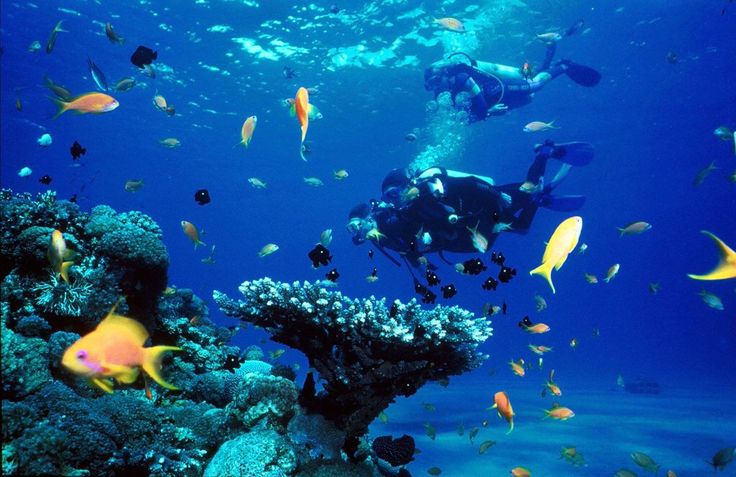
(680, 429)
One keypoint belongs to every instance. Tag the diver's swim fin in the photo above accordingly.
(562, 203)
(574, 153)
(582, 75)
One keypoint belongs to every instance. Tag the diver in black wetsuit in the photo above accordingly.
(492, 88)
(438, 209)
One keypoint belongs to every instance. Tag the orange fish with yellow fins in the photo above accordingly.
(301, 106)
(726, 267)
(94, 103)
(59, 256)
(502, 404)
(114, 350)
(191, 231)
(246, 132)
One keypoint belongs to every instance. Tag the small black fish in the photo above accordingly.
(319, 255)
(432, 278)
(73, 198)
(370, 254)
(45, 180)
(490, 284)
(498, 258)
(332, 275)
(474, 266)
(419, 288)
(503, 308)
(202, 197)
(394, 310)
(429, 297)
(334, 9)
(143, 56)
(495, 217)
(232, 361)
(448, 291)
(289, 73)
(77, 150)
(374, 273)
(506, 274)
(525, 322)
(671, 58)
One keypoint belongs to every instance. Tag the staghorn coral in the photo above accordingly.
(365, 353)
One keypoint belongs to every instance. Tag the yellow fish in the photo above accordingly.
(540, 349)
(521, 472)
(561, 244)
(480, 242)
(518, 367)
(551, 386)
(612, 272)
(59, 256)
(95, 103)
(268, 249)
(341, 174)
(560, 413)
(114, 350)
(246, 132)
(374, 234)
(726, 267)
(452, 24)
(590, 278)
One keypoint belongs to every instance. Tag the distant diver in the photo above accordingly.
(491, 89)
(440, 210)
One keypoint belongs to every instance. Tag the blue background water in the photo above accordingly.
(651, 122)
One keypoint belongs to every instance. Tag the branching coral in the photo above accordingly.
(365, 352)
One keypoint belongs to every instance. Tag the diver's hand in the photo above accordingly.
(499, 108)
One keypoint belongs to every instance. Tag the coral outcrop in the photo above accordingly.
(366, 353)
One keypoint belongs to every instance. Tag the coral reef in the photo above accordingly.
(235, 414)
(366, 353)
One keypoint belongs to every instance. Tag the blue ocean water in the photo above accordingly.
(650, 120)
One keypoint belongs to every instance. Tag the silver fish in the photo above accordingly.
(97, 75)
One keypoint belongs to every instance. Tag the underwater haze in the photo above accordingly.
(646, 359)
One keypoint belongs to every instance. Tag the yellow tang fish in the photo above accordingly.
(246, 132)
(114, 350)
(95, 103)
(59, 256)
(726, 267)
(561, 244)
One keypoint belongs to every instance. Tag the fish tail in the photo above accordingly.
(64, 271)
(511, 427)
(726, 267)
(545, 271)
(301, 151)
(621, 231)
(152, 364)
(62, 106)
(198, 243)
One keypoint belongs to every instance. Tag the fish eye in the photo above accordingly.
(81, 354)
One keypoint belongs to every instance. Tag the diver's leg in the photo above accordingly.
(549, 55)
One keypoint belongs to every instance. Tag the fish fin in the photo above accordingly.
(726, 267)
(511, 427)
(301, 152)
(545, 271)
(103, 384)
(127, 325)
(124, 374)
(292, 110)
(62, 106)
(152, 364)
(64, 271)
(621, 231)
(69, 254)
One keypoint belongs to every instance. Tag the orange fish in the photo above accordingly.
(59, 256)
(302, 114)
(191, 231)
(671, 473)
(518, 367)
(551, 386)
(502, 404)
(246, 132)
(521, 472)
(114, 350)
(560, 413)
(452, 24)
(539, 349)
(95, 103)
(537, 328)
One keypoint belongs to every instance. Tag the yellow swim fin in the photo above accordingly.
(726, 267)
(545, 271)
(152, 364)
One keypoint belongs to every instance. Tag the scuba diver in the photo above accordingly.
(492, 89)
(440, 210)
